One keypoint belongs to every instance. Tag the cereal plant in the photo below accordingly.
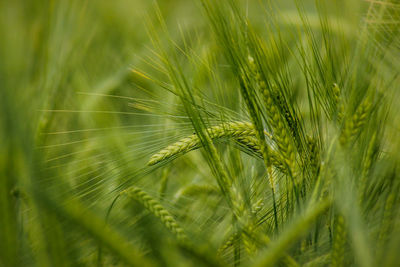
(200, 133)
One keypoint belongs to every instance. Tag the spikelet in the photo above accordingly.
(291, 122)
(248, 241)
(339, 102)
(354, 124)
(252, 238)
(387, 221)
(314, 156)
(227, 244)
(230, 129)
(157, 209)
(339, 242)
(257, 207)
(366, 168)
(281, 134)
(251, 143)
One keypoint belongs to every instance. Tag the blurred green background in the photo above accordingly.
(83, 105)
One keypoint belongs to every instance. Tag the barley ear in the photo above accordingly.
(366, 169)
(386, 223)
(339, 102)
(157, 209)
(275, 120)
(314, 155)
(339, 242)
(251, 144)
(355, 123)
(225, 130)
(227, 244)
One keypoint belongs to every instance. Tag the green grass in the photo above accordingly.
(204, 133)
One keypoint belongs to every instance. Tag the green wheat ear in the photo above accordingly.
(353, 126)
(339, 242)
(157, 209)
(281, 136)
(339, 101)
(235, 129)
(251, 144)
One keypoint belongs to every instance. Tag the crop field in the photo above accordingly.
(199, 133)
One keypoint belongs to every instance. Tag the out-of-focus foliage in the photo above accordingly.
(275, 125)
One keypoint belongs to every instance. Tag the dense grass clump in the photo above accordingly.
(207, 133)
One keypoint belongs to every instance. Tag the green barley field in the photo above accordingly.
(199, 133)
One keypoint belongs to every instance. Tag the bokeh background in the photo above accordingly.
(84, 102)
